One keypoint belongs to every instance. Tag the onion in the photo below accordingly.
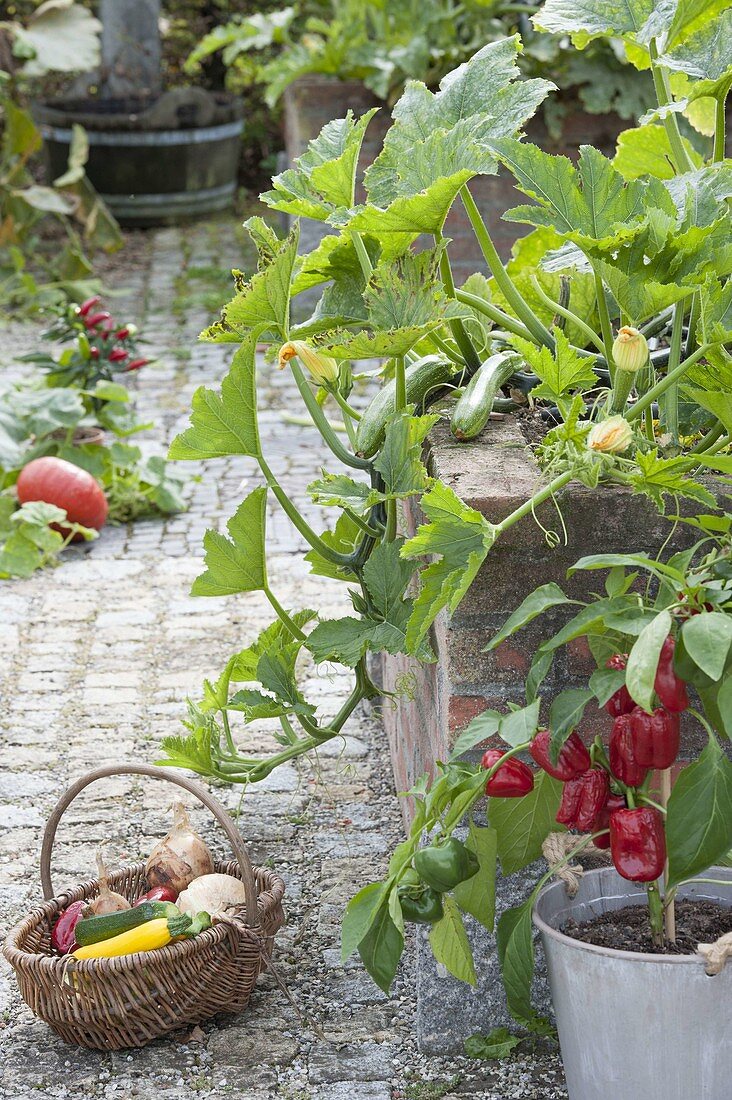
(106, 901)
(212, 894)
(181, 857)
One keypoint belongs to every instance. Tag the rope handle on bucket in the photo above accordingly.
(235, 838)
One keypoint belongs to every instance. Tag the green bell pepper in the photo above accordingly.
(420, 904)
(445, 863)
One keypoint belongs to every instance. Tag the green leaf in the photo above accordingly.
(225, 423)
(193, 752)
(242, 667)
(341, 491)
(720, 404)
(237, 564)
(640, 673)
(342, 539)
(449, 943)
(604, 682)
(263, 303)
(519, 726)
(561, 373)
(276, 673)
(716, 312)
(707, 640)
(588, 19)
(523, 824)
(535, 604)
(403, 220)
(381, 948)
(324, 177)
(477, 895)
(400, 459)
(461, 537)
(359, 916)
(646, 151)
(440, 134)
(565, 715)
(516, 954)
(482, 727)
(658, 477)
(698, 821)
(497, 1044)
(706, 56)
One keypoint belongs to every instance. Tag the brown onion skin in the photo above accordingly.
(180, 857)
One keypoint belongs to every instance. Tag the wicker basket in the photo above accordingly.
(112, 1004)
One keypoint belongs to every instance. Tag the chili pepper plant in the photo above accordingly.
(618, 303)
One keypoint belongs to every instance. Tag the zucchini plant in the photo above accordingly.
(618, 306)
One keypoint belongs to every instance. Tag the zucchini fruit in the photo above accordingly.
(97, 929)
(430, 373)
(473, 408)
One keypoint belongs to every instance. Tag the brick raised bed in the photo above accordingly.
(312, 101)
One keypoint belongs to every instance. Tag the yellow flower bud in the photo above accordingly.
(611, 436)
(630, 350)
(322, 368)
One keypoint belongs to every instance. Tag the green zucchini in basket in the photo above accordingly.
(473, 408)
(430, 373)
(96, 929)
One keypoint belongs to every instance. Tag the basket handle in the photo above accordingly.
(199, 792)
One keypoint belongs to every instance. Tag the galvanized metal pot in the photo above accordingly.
(633, 1025)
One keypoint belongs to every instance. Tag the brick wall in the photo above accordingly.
(495, 474)
(312, 101)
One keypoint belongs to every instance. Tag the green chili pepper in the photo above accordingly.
(445, 863)
(420, 904)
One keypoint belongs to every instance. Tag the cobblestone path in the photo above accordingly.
(96, 659)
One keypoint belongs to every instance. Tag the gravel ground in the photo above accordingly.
(96, 659)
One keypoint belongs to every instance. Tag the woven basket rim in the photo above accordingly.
(57, 965)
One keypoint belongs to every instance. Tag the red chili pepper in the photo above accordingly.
(621, 702)
(669, 688)
(512, 780)
(573, 757)
(623, 763)
(94, 352)
(656, 737)
(602, 821)
(96, 319)
(638, 843)
(158, 893)
(87, 306)
(583, 799)
(135, 364)
(118, 355)
(63, 936)
(122, 333)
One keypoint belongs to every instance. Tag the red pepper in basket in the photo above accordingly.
(669, 688)
(638, 843)
(583, 799)
(512, 780)
(614, 802)
(63, 936)
(573, 757)
(655, 737)
(623, 763)
(621, 702)
(158, 893)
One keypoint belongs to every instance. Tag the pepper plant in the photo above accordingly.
(619, 305)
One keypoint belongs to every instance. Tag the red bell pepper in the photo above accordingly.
(158, 893)
(638, 843)
(669, 688)
(614, 802)
(583, 799)
(655, 737)
(621, 702)
(623, 763)
(573, 757)
(63, 936)
(512, 780)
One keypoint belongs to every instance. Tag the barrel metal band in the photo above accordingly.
(200, 136)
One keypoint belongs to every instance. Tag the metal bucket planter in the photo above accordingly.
(153, 164)
(633, 1025)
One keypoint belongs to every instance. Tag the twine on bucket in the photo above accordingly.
(557, 847)
(716, 954)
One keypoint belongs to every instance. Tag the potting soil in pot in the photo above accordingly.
(628, 929)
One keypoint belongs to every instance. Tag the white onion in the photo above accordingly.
(107, 901)
(180, 857)
(212, 894)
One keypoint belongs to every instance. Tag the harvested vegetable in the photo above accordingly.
(158, 893)
(146, 937)
(212, 893)
(96, 929)
(180, 857)
(59, 482)
(63, 936)
(107, 900)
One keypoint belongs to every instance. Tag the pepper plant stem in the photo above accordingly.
(670, 908)
(540, 333)
(655, 912)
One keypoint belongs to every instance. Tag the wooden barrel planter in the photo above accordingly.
(156, 163)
